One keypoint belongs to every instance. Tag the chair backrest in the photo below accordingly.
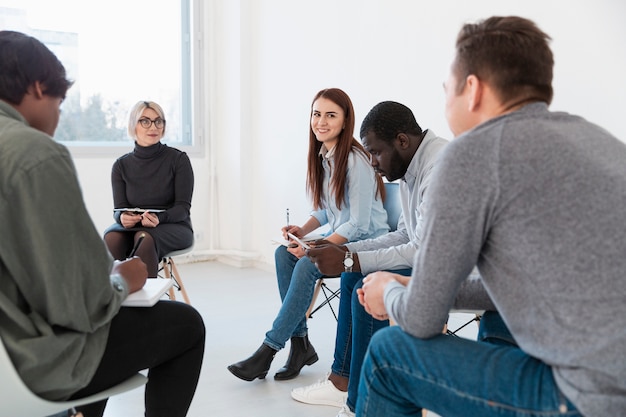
(392, 204)
(16, 400)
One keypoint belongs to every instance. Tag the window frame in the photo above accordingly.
(191, 86)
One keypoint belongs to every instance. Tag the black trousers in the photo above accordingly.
(168, 340)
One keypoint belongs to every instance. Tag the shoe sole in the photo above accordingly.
(305, 400)
(309, 362)
(245, 378)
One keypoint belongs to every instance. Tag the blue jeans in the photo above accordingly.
(355, 328)
(452, 376)
(296, 282)
(492, 329)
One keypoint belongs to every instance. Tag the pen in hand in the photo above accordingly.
(132, 252)
(287, 227)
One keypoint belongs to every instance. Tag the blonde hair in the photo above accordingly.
(135, 115)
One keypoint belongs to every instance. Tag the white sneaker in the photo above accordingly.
(320, 393)
(345, 412)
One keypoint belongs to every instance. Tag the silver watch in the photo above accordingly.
(348, 262)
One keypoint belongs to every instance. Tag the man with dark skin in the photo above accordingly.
(400, 150)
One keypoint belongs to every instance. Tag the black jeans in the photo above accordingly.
(168, 340)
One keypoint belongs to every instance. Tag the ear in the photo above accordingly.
(403, 140)
(36, 89)
(476, 89)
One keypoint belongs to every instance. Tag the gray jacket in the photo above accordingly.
(396, 250)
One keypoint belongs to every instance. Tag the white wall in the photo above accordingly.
(265, 59)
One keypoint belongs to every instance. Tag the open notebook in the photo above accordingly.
(311, 237)
(151, 292)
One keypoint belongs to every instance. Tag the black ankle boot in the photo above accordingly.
(302, 353)
(256, 366)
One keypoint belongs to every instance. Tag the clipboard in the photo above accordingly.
(139, 210)
(151, 292)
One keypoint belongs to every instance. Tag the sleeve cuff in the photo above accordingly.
(119, 284)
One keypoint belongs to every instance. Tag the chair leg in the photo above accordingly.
(179, 281)
(316, 292)
(165, 267)
(454, 333)
(170, 271)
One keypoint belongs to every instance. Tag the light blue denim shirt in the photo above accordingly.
(362, 215)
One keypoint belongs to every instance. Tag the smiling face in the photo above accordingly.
(386, 158)
(327, 121)
(151, 135)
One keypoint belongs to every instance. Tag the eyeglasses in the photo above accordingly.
(146, 123)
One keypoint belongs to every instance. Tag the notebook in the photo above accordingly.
(311, 237)
(151, 292)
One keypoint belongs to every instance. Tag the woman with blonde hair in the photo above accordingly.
(156, 179)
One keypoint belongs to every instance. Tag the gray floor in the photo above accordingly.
(238, 306)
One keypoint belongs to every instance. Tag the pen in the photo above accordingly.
(287, 218)
(132, 252)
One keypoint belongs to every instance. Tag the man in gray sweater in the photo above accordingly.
(535, 199)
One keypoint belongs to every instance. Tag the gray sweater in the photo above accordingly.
(537, 200)
(396, 250)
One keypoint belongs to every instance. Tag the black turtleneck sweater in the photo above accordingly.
(156, 177)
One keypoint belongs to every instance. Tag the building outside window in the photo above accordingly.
(117, 52)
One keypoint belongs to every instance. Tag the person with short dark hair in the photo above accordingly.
(536, 200)
(61, 319)
(400, 150)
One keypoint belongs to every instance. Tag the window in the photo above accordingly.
(117, 52)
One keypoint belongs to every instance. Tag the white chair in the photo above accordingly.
(168, 266)
(16, 400)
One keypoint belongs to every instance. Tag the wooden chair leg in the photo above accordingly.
(179, 281)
